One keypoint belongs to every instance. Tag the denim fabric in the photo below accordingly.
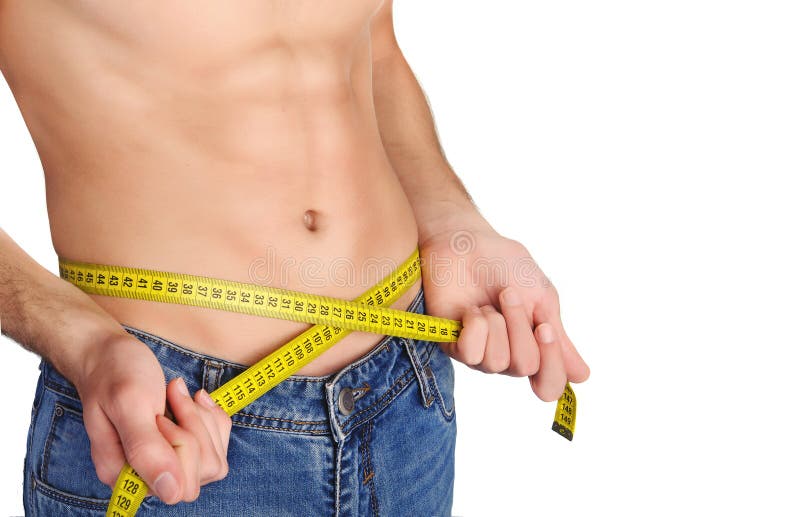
(292, 452)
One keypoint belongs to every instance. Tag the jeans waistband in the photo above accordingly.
(300, 404)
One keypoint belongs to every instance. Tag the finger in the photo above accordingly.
(472, 340)
(187, 449)
(523, 349)
(549, 382)
(106, 449)
(577, 369)
(220, 424)
(548, 310)
(224, 421)
(211, 469)
(148, 452)
(209, 421)
(496, 354)
(188, 415)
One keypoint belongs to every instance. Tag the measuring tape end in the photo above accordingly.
(562, 430)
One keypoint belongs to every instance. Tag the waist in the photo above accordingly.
(336, 263)
(300, 403)
(239, 339)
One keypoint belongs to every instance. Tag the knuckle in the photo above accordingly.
(106, 478)
(469, 352)
(496, 365)
(223, 470)
(192, 494)
(211, 467)
(515, 370)
(478, 367)
(226, 423)
(122, 396)
(218, 471)
(492, 368)
(104, 472)
(497, 356)
(495, 318)
(504, 362)
(517, 246)
(523, 367)
(141, 454)
(472, 357)
(547, 295)
(104, 466)
(187, 407)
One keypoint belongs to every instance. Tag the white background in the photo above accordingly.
(648, 154)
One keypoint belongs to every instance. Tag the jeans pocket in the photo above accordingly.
(39, 391)
(441, 379)
(66, 473)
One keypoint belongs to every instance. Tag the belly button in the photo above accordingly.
(310, 220)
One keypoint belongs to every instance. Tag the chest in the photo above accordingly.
(210, 26)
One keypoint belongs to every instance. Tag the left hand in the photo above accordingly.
(509, 309)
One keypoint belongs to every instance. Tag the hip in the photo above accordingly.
(378, 436)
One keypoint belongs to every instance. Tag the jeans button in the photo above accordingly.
(346, 401)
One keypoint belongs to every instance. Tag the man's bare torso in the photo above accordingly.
(199, 137)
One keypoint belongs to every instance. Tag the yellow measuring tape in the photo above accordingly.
(333, 319)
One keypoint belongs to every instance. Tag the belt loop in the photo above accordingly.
(212, 375)
(424, 387)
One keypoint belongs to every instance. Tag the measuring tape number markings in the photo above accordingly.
(333, 319)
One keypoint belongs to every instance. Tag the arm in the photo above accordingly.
(119, 380)
(407, 129)
(510, 310)
(48, 316)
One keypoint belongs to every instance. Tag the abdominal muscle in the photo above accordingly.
(253, 157)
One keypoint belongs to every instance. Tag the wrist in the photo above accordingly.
(449, 216)
(82, 335)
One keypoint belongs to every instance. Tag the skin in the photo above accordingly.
(202, 150)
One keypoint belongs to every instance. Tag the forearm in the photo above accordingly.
(47, 315)
(408, 132)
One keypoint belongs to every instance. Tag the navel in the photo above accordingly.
(310, 220)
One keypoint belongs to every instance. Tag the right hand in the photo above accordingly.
(123, 393)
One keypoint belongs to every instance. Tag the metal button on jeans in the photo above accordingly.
(346, 401)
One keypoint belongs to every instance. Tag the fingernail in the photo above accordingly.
(206, 400)
(546, 334)
(182, 387)
(510, 297)
(166, 487)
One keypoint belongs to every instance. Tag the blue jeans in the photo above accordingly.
(376, 438)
